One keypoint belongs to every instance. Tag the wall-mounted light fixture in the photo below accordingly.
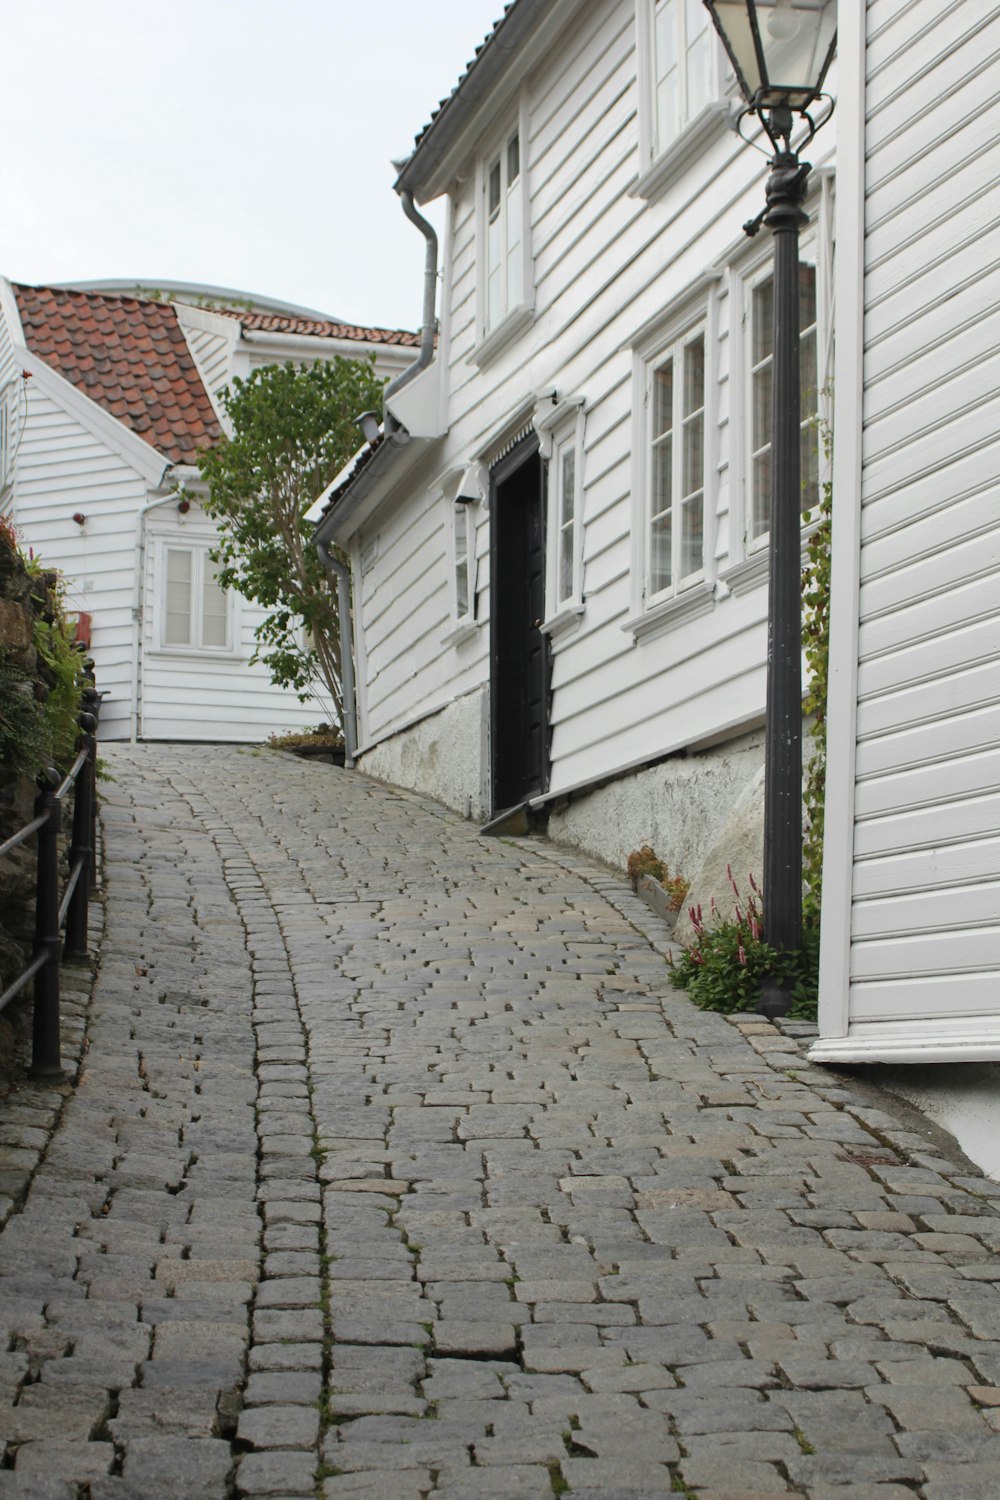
(370, 426)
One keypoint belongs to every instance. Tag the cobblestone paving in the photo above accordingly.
(394, 1167)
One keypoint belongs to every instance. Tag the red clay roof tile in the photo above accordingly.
(318, 328)
(128, 355)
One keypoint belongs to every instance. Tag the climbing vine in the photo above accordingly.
(816, 643)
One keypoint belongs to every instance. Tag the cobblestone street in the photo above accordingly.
(395, 1167)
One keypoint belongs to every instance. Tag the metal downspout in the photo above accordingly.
(336, 567)
(428, 325)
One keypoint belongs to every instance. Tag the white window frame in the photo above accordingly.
(461, 526)
(663, 160)
(200, 561)
(748, 556)
(560, 425)
(693, 316)
(497, 329)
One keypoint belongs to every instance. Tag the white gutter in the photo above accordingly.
(310, 341)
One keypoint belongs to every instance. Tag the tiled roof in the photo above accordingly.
(318, 328)
(128, 355)
(468, 69)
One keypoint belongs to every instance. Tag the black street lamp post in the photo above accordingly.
(781, 51)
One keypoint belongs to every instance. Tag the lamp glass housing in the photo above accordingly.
(781, 49)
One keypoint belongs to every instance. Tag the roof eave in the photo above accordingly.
(341, 519)
(428, 171)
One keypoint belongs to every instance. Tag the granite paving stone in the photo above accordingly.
(394, 1158)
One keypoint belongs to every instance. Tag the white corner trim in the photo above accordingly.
(692, 603)
(681, 153)
(507, 330)
(136, 452)
(845, 582)
(11, 314)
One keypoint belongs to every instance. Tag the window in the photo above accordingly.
(464, 562)
(682, 66)
(195, 608)
(504, 301)
(760, 353)
(504, 231)
(560, 427)
(460, 495)
(676, 516)
(682, 107)
(566, 512)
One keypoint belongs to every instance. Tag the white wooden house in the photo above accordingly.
(559, 545)
(106, 400)
(541, 617)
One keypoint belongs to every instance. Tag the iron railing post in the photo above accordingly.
(45, 1052)
(82, 844)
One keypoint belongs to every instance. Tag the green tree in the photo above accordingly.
(293, 431)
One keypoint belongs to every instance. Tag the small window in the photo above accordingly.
(760, 345)
(566, 510)
(676, 533)
(195, 607)
(463, 577)
(504, 248)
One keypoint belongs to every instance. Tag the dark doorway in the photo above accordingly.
(519, 677)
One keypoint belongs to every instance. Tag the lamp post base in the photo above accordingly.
(775, 1000)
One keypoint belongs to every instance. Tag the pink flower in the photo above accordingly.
(743, 957)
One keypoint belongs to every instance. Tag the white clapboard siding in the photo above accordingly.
(212, 353)
(63, 470)
(925, 881)
(191, 695)
(605, 263)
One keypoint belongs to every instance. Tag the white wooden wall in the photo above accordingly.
(63, 469)
(605, 263)
(192, 695)
(912, 960)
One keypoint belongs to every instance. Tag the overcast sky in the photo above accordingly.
(242, 143)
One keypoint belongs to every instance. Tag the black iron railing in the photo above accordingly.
(51, 912)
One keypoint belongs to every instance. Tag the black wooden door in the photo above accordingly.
(519, 675)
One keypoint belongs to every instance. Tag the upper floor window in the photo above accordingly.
(503, 289)
(195, 607)
(504, 231)
(676, 513)
(760, 378)
(683, 39)
(681, 103)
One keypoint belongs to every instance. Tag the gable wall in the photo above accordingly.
(62, 469)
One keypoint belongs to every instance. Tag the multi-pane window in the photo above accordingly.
(675, 551)
(463, 562)
(196, 610)
(682, 66)
(566, 517)
(503, 192)
(761, 350)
